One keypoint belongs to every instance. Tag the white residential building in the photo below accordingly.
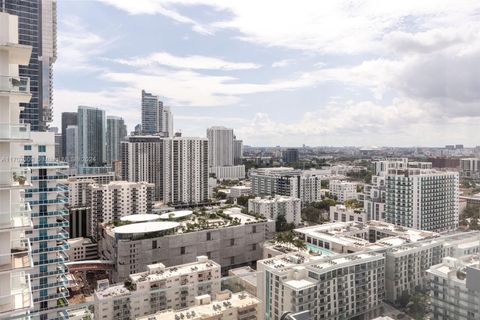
(226, 306)
(15, 213)
(220, 140)
(342, 213)
(455, 288)
(346, 287)
(228, 173)
(285, 181)
(159, 288)
(343, 190)
(272, 208)
(178, 167)
(239, 191)
(109, 202)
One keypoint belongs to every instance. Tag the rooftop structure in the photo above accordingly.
(140, 217)
(175, 215)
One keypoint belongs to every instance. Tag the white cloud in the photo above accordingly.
(283, 63)
(187, 62)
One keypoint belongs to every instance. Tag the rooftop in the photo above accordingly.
(213, 308)
(146, 227)
(176, 215)
(140, 217)
(160, 272)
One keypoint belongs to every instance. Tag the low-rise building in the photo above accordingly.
(231, 238)
(82, 249)
(455, 288)
(239, 191)
(157, 289)
(226, 306)
(343, 190)
(228, 172)
(342, 213)
(272, 208)
(343, 287)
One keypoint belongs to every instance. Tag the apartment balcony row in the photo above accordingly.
(59, 200)
(58, 188)
(17, 296)
(60, 258)
(14, 132)
(15, 178)
(16, 88)
(59, 212)
(56, 176)
(61, 235)
(58, 247)
(18, 217)
(63, 223)
(62, 292)
(59, 164)
(19, 258)
(60, 269)
(61, 281)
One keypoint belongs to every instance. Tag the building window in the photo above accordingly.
(182, 250)
(209, 236)
(154, 244)
(232, 260)
(232, 242)
(42, 149)
(254, 247)
(27, 147)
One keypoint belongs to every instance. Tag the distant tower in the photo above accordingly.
(220, 142)
(116, 133)
(91, 137)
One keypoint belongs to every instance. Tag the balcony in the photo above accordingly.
(14, 132)
(17, 297)
(15, 178)
(17, 88)
(19, 258)
(18, 217)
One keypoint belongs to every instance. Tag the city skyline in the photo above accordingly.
(337, 74)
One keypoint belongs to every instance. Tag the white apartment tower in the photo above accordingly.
(220, 140)
(15, 213)
(177, 166)
(271, 208)
(109, 202)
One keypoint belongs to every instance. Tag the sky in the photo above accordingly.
(288, 73)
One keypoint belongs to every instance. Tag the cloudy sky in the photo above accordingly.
(343, 73)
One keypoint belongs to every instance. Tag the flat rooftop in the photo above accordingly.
(146, 227)
(176, 214)
(159, 272)
(140, 217)
(215, 308)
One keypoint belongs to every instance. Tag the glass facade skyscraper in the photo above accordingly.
(37, 22)
(91, 137)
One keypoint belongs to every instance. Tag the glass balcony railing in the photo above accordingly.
(14, 131)
(19, 257)
(15, 178)
(9, 84)
(16, 297)
(19, 216)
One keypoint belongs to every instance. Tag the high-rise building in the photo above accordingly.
(58, 146)
(166, 121)
(150, 113)
(343, 190)
(15, 213)
(109, 202)
(68, 119)
(424, 199)
(220, 140)
(177, 166)
(47, 198)
(290, 155)
(91, 137)
(37, 22)
(71, 154)
(237, 152)
(116, 133)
